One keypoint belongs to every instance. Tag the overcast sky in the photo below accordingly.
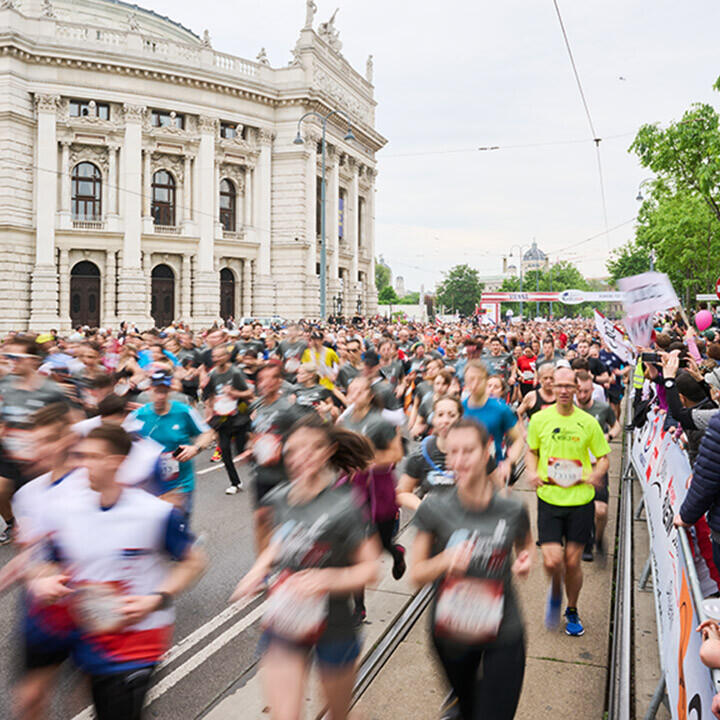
(460, 74)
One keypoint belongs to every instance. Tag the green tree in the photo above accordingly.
(683, 231)
(411, 298)
(460, 290)
(628, 259)
(382, 276)
(388, 296)
(686, 155)
(562, 275)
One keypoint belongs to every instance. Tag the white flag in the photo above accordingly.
(613, 337)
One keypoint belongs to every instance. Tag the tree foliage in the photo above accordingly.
(628, 259)
(680, 219)
(388, 296)
(460, 290)
(562, 275)
(411, 298)
(383, 275)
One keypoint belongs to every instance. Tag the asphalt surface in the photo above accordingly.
(225, 646)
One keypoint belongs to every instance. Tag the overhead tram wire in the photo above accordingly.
(495, 148)
(596, 138)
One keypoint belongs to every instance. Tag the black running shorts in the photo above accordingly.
(572, 523)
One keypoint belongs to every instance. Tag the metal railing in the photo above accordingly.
(621, 648)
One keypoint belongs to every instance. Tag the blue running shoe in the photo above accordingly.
(573, 625)
(552, 610)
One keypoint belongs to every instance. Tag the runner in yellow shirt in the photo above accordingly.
(560, 440)
(323, 358)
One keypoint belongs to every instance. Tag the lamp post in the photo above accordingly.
(323, 240)
(520, 248)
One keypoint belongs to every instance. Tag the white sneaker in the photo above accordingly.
(232, 490)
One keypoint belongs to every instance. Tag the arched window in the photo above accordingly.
(227, 205)
(163, 198)
(86, 192)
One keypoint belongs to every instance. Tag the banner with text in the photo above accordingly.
(614, 338)
(664, 472)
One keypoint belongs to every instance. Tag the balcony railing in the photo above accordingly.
(88, 224)
(167, 229)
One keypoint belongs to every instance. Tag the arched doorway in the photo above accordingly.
(227, 294)
(85, 294)
(163, 296)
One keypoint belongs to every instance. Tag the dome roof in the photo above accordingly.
(116, 14)
(534, 253)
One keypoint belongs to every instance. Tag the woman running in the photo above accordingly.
(426, 468)
(321, 553)
(477, 628)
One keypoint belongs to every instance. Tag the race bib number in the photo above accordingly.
(563, 472)
(225, 405)
(440, 479)
(292, 365)
(96, 607)
(293, 616)
(18, 444)
(169, 467)
(469, 610)
(267, 449)
(528, 375)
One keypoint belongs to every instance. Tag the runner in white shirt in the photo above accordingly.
(112, 552)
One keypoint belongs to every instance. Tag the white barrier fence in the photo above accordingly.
(680, 573)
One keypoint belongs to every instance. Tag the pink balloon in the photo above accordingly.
(703, 320)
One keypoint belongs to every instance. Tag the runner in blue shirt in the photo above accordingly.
(497, 418)
(182, 433)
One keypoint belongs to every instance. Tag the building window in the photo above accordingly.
(227, 205)
(228, 130)
(361, 220)
(163, 198)
(165, 118)
(341, 215)
(82, 108)
(86, 192)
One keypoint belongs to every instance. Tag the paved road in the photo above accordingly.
(226, 646)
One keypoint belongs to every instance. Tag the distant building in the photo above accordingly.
(400, 286)
(535, 259)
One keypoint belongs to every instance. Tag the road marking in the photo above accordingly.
(215, 467)
(200, 657)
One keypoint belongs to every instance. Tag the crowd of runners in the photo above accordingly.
(340, 426)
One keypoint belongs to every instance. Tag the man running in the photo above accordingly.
(610, 425)
(542, 396)
(228, 397)
(560, 440)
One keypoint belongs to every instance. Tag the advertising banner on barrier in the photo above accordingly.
(664, 473)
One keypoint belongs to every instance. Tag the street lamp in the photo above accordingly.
(323, 240)
(521, 249)
(640, 197)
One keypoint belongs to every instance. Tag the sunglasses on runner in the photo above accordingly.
(18, 356)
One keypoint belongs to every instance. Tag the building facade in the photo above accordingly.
(146, 177)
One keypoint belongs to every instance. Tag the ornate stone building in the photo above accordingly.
(146, 177)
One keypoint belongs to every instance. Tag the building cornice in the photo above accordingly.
(248, 89)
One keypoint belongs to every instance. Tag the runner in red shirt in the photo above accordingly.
(526, 368)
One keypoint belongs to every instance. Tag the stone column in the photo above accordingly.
(185, 289)
(147, 185)
(370, 240)
(248, 199)
(44, 278)
(147, 275)
(132, 287)
(264, 289)
(64, 288)
(353, 225)
(112, 180)
(247, 289)
(108, 313)
(65, 186)
(216, 211)
(187, 194)
(206, 285)
(332, 213)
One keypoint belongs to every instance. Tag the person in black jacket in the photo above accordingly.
(688, 402)
(703, 495)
